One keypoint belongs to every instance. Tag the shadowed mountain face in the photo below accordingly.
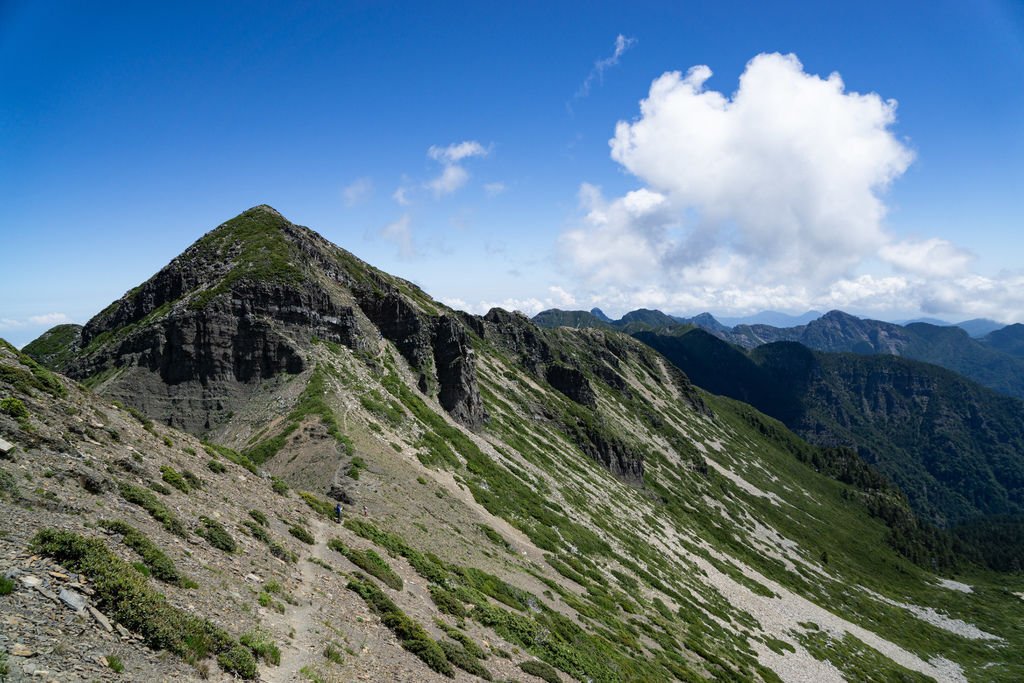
(517, 501)
(955, 448)
(1009, 339)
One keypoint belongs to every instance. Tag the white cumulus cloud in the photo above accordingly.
(622, 240)
(772, 197)
(789, 170)
(932, 257)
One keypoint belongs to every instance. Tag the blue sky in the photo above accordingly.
(469, 147)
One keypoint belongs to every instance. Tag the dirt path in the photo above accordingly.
(304, 619)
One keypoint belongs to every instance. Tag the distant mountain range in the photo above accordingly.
(995, 360)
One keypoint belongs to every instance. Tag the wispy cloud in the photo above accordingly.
(357, 192)
(622, 44)
(557, 297)
(454, 175)
(494, 189)
(401, 196)
(456, 152)
(400, 234)
(42, 320)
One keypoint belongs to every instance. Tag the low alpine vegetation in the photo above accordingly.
(160, 566)
(216, 535)
(370, 562)
(157, 510)
(125, 595)
(409, 633)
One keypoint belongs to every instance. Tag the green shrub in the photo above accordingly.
(215, 533)
(494, 537)
(174, 478)
(302, 534)
(462, 639)
(230, 455)
(193, 481)
(125, 596)
(13, 407)
(387, 409)
(409, 633)
(355, 467)
(159, 488)
(8, 485)
(6, 586)
(115, 664)
(276, 549)
(311, 402)
(260, 518)
(168, 442)
(266, 600)
(238, 660)
(279, 486)
(262, 646)
(157, 510)
(321, 506)
(36, 377)
(426, 565)
(370, 562)
(334, 654)
(217, 467)
(146, 423)
(461, 658)
(159, 564)
(447, 601)
(541, 669)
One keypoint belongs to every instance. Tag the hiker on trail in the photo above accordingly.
(337, 512)
(365, 511)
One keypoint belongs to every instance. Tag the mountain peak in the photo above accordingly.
(264, 208)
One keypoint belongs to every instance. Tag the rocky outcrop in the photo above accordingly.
(456, 374)
(517, 334)
(402, 324)
(437, 347)
(572, 383)
(609, 450)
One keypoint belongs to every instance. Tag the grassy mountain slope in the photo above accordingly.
(56, 347)
(953, 447)
(603, 516)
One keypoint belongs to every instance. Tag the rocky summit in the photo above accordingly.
(271, 461)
